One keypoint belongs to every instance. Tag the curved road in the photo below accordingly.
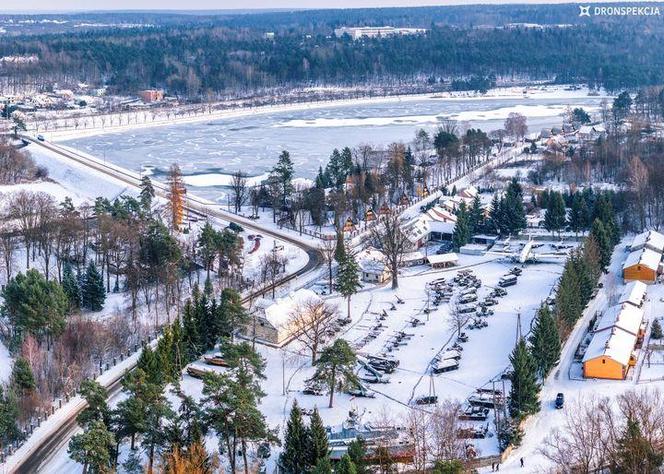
(42, 453)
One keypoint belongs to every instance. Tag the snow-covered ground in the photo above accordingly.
(484, 357)
(565, 378)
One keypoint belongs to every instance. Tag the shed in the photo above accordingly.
(642, 265)
(372, 265)
(444, 260)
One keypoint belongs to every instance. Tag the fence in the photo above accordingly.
(42, 415)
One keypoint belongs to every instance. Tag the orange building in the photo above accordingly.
(151, 95)
(610, 353)
(642, 265)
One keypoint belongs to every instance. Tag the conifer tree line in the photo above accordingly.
(533, 359)
(162, 436)
(188, 59)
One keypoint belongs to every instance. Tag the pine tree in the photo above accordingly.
(9, 415)
(554, 217)
(357, 451)
(576, 219)
(513, 211)
(230, 315)
(319, 447)
(283, 173)
(340, 248)
(70, 287)
(93, 448)
(545, 341)
(345, 466)
(324, 466)
(22, 378)
(496, 215)
(524, 391)
(603, 210)
(568, 297)
(93, 294)
(190, 337)
(656, 331)
(95, 396)
(599, 233)
(462, 231)
(476, 216)
(635, 454)
(336, 366)
(147, 193)
(294, 458)
(348, 277)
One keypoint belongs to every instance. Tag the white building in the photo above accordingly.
(272, 319)
(357, 32)
(372, 265)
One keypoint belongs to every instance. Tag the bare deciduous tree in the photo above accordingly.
(392, 242)
(311, 320)
(239, 190)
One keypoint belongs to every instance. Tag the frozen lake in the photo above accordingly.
(208, 150)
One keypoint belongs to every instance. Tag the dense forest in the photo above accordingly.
(202, 55)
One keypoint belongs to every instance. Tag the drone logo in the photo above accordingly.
(584, 11)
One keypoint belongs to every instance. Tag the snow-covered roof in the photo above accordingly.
(412, 256)
(416, 228)
(649, 239)
(614, 343)
(443, 258)
(469, 193)
(626, 317)
(438, 214)
(634, 293)
(646, 257)
(442, 227)
(279, 313)
(371, 261)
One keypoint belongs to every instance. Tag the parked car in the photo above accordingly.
(41, 138)
(560, 401)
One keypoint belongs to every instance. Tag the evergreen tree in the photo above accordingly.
(476, 216)
(568, 297)
(449, 467)
(34, 305)
(357, 451)
(282, 174)
(22, 378)
(190, 338)
(133, 464)
(336, 366)
(513, 211)
(554, 217)
(339, 249)
(524, 392)
(93, 448)
(93, 294)
(496, 215)
(231, 314)
(345, 466)
(603, 210)
(70, 287)
(635, 454)
(348, 277)
(324, 466)
(545, 341)
(147, 193)
(319, 446)
(9, 415)
(295, 457)
(656, 331)
(577, 214)
(95, 396)
(599, 233)
(462, 231)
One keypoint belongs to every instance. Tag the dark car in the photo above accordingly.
(560, 401)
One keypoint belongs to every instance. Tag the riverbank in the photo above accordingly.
(99, 125)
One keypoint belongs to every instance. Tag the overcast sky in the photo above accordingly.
(64, 5)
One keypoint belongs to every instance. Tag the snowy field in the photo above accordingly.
(565, 379)
(485, 355)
